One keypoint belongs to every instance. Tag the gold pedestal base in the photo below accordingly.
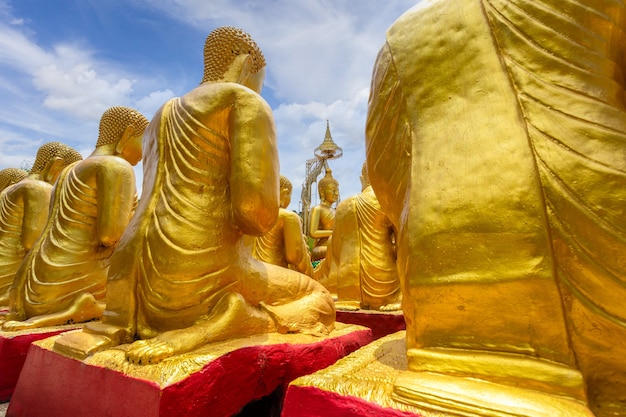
(378, 374)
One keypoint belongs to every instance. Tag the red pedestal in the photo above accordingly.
(52, 385)
(303, 401)
(13, 349)
(381, 323)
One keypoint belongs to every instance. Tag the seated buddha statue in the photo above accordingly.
(24, 208)
(322, 217)
(362, 254)
(10, 176)
(495, 143)
(63, 277)
(181, 275)
(284, 244)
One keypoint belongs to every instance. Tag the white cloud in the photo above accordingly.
(149, 104)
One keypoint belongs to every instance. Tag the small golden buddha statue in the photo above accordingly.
(10, 176)
(495, 142)
(362, 254)
(24, 210)
(63, 278)
(284, 244)
(181, 276)
(322, 218)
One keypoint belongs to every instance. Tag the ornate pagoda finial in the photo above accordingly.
(328, 149)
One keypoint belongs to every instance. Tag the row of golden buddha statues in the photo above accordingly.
(495, 150)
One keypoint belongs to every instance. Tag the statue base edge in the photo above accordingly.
(53, 385)
(381, 323)
(13, 349)
(375, 381)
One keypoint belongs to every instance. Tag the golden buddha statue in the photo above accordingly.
(63, 278)
(24, 210)
(181, 276)
(362, 255)
(284, 244)
(495, 143)
(10, 176)
(322, 218)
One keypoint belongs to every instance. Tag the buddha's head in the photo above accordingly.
(45, 154)
(228, 49)
(328, 188)
(123, 127)
(365, 178)
(285, 191)
(9, 176)
(66, 156)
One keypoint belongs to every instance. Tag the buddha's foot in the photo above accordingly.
(13, 325)
(475, 397)
(391, 307)
(150, 351)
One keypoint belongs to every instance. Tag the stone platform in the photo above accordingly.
(217, 380)
(13, 349)
(363, 385)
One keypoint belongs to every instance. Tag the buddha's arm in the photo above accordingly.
(36, 206)
(295, 249)
(254, 171)
(388, 137)
(115, 183)
(314, 225)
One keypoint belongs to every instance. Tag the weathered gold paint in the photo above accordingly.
(495, 143)
(63, 277)
(182, 275)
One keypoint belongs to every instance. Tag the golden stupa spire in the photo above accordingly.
(328, 149)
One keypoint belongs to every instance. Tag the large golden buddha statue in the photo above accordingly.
(10, 176)
(24, 208)
(362, 254)
(322, 218)
(284, 244)
(181, 275)
(496, 144)
(63, 277)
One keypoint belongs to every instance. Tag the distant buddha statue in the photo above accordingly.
(181, 276)
(284, 244)
(322, 218)
(362, 256)
(10, 176)
(63, 277)
(495, 142)
(24, 208)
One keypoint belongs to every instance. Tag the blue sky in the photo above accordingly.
(63, 62)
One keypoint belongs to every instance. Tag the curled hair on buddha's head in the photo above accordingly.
(325, 182)
(10, 176)
(285, 183)
(115, 120)
(221, 48)
(46, 152)
(70, 155)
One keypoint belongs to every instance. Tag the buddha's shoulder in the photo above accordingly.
(107, 164)
(216, 95)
